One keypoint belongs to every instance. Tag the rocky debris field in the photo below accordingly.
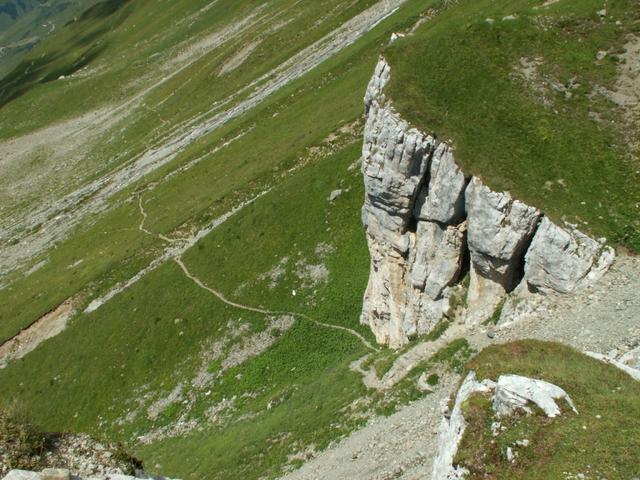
(399, 446)
(24, 446)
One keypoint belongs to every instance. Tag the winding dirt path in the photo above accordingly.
(406, 361)
(240, 306)
(177, 257)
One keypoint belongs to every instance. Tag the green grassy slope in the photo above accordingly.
(601, 441)
(270, 147)
(23, 24)
(104, 372)
(462, 78)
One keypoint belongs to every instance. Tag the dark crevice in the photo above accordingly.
(422, 184)
(412, 224)
(518, 273)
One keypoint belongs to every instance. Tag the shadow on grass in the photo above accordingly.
(87, 42)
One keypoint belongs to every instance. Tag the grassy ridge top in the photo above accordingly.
(521, 89)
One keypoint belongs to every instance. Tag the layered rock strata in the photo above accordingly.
(427, 223)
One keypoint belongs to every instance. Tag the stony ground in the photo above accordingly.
(602, 318)
(398, 446)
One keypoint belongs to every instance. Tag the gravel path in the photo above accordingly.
(400, 446)
(240, 306)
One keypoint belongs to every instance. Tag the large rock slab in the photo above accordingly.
(561, 260)
(499, 231)
(510, 394)
(438, 257)
(452, 429)
(515, 392)
(442, 199)
(413, 260)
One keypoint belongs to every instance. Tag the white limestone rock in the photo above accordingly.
(452, 429)
(510, 393)
(22, 475)
(385, 298)
(498, 232)
(55, 474)
(514, 392)
(438, 257)
(442, 200)
(424, 218)
(631, 358)
(395, 158)
(632, 372)
(561, 260)
(375, 89)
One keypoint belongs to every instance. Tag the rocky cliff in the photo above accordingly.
(428, 224)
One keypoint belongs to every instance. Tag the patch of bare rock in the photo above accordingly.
(510, 394)
(74, 457)
(28, 339)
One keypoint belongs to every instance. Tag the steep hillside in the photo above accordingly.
(25, 23)
(201, 186)
(182, 255)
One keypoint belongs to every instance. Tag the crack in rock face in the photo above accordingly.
(427, 223)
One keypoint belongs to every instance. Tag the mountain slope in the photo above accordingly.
(534, 98)
(183, 177)
(236, 378)
(25, 23)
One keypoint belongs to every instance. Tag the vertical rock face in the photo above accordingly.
(500, 229)
(564, 260)
(427, 223)
(416, 247)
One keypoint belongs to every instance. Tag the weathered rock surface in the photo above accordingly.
(413, 259)
(443, 199)
(499, 231)
(515, 392)
(631, 371)
(452, 429)
(427, 224)
(563, 260)
(631, 358)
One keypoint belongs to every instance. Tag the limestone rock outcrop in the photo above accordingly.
(414, 238)
(509, 394)
(452, 429)
(428, 224)
(500, 229)
(515, 392)
(564, 260)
